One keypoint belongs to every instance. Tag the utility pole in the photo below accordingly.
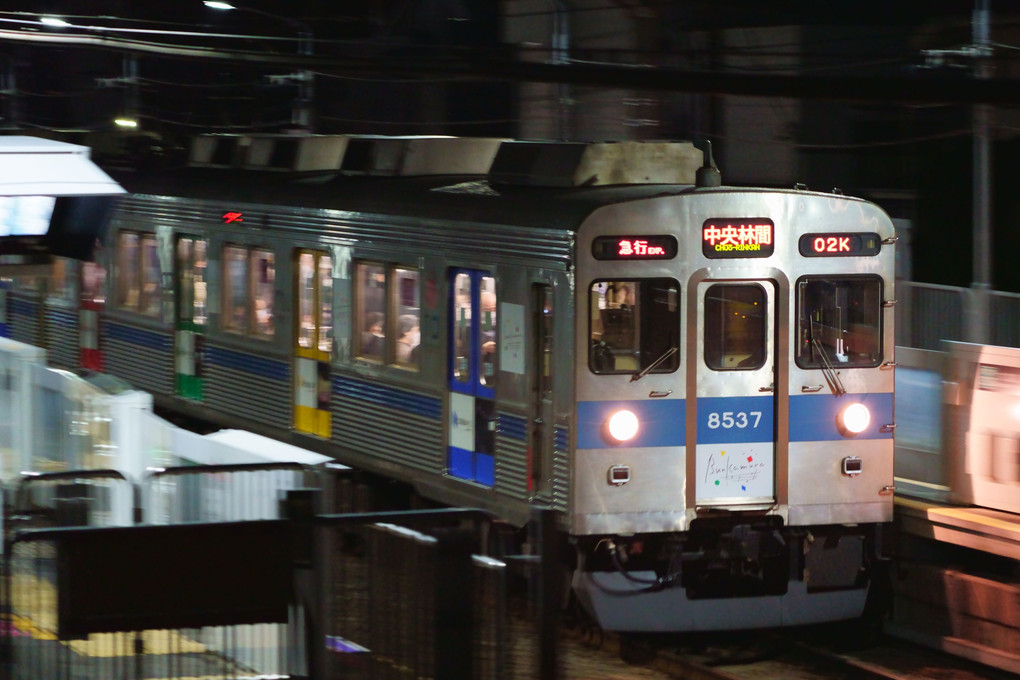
(981, 275)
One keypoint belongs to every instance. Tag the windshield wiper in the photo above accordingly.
(637, 376)
(830, 373)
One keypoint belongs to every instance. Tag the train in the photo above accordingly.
(697, 377)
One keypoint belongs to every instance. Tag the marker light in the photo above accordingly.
(855, 418)
(622, 425)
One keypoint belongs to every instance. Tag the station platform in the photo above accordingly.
(984, 529)
(955, 584)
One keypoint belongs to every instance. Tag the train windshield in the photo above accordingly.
(634, 326)
(839, 321)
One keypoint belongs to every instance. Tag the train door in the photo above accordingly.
(190, 316)
(734, 463)
(472, 376)
(313, 343)
(542, 416)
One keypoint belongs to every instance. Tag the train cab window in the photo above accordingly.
(839, 321)
(634, 326)
(370, 294)
(736, 327)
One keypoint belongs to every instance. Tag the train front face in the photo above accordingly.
(733, 460)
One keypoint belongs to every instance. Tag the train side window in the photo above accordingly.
(839, 321)
(407, 308)
(128, 286)
(62, 279)
(488, 337)
(370, 297)
(235, 289)
(150, 292)
(93, 280)
(263, 287)
(736, 327)
(462, 328)
(306, 300)
(191, 284)
(634, 325)
(325, 303)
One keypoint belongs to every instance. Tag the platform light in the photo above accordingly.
(854, 419)
(56, 22)
(218, 5)
(125, 122)
(623, 425)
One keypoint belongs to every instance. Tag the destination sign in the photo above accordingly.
(737, 237)
(634, 247)
(840, 245)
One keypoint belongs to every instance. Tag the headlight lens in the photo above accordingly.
(622, 425)
(855, 418)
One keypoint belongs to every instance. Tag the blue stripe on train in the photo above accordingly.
(661, 423)
(750, 419)
(813, 416)
(247, 363)
(137, 336)
(429, 407)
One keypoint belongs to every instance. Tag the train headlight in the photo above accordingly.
(622, 425)
(854, 419)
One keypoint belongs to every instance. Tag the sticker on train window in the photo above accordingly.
(634, 247)
(840, 245)
(737, 237)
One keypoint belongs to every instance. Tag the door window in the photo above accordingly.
(735, 327)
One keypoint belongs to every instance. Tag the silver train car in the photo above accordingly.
(699, 378)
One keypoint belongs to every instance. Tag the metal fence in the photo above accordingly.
(283, 593)
(928, 313)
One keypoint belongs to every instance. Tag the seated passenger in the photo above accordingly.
(408, 337)
(372, 338)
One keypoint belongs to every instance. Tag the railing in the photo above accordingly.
(928, 314)
(357, 595)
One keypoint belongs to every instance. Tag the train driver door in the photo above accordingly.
(313, 343)
(189, 316)
(472, 376)
(734, 463)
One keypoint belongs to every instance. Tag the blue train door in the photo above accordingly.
(472, 376)
(735, 366)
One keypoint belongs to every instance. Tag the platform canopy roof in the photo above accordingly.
(33, 166)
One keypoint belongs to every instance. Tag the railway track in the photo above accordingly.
(823, 653)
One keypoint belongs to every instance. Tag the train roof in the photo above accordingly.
(547, 185)
(469, 198)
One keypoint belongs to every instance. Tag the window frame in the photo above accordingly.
(763, 335)
(667, 367)
(880, 318)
